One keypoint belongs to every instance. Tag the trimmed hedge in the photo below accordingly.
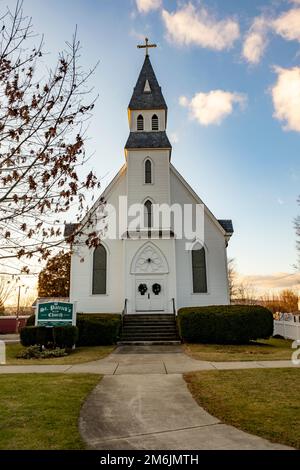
(225, 324)
(59, 336)
(98, 329)
(94, 329)
(28, 336)
(65, 336)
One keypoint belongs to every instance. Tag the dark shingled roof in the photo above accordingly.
(227, 225)
(146, 100)
(69, 229)
(149, 140)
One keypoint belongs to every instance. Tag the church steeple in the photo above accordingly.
(147, 111)
(147, 93)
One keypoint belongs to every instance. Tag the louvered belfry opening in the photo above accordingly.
(140, 123)
(155, 122)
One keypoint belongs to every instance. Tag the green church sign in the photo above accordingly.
(55, 314)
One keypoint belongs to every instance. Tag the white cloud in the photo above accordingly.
(287, 24)
(144, 6)
(256, 40)
(189, 25)
(286, 97)
(212, 107)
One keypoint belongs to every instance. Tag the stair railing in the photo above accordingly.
(174, 306)
(124, 311)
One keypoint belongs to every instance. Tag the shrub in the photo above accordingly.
(28, 336)
(31, 320)
(225, 324)
(98, 329)
(62, 336)
(44, 335)
(37, 353)
(65, 336)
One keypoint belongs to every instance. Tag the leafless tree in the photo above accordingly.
(232, 278)
(43, 121)
(6, 287)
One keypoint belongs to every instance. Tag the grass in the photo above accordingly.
(262, 350)
(77, 356)
(41, 411)
(261, 402)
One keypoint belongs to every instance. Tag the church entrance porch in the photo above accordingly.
(149, 295)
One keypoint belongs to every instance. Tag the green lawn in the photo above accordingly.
(77, 356)
(262, 350)
(261, 402)
(41, 411)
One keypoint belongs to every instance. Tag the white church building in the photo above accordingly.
(150, 268)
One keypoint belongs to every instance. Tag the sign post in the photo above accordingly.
(55, 314)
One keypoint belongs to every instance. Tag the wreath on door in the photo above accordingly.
(142, 289)
(156, 288)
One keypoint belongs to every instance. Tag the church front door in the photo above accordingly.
(149, 295)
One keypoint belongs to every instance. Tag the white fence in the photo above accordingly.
(288, 326)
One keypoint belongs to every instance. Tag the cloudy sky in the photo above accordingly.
(230, 73)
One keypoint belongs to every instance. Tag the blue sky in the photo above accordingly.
(242, 162)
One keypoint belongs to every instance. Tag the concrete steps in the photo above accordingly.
(148, 328)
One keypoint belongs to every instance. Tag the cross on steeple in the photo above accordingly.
(146, 46)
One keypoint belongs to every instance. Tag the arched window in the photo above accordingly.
(148, 214)
(140, 123)
(148, 171)
(155, 122)
(99, 270)
(199, 271)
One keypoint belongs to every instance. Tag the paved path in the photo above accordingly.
(143, 402)
(155, 411)
(10, 338)
(127, 360)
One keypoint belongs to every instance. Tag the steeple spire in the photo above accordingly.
(147, 92)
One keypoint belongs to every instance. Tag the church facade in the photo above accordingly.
(150, 268)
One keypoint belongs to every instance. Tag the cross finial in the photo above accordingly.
(146, 46)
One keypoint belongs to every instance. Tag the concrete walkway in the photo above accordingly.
(143, 402)
(127, 360)
(154, 411)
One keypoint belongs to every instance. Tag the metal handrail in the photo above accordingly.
(174, 307)
(124, 311)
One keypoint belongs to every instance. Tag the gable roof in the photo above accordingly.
(143, 99)
(70, 228)
(225, 226)
(149, 140)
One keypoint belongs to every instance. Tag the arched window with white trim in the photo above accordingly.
(148, 171)
(155, 124)
(148, 214)
(140, 123)
(199, 270)
(99, 270)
